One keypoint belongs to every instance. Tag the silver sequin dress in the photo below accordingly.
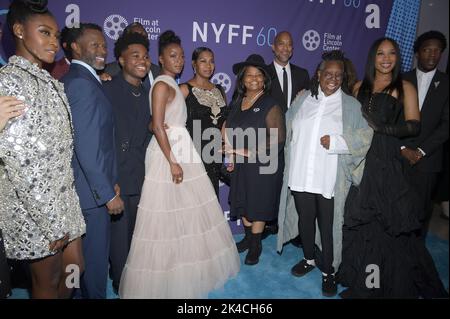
(38, 202)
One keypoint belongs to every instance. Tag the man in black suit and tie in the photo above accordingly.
(424, 154)
(287, 81)
(130, 104)
(114, 68)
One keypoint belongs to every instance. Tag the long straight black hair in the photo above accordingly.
(367, 85)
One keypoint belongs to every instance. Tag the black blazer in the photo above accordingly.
(434, 121)
(132, 115)
(300, 81)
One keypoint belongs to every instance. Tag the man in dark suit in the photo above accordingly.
(94, 163)
(424, 154)
(297, 78)
(287, 81)
(114, 68)
(130, 103)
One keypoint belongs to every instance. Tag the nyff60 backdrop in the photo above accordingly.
(233, 29)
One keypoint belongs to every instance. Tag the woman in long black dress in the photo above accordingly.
(382, 257)
(258, 164)
(206, 109)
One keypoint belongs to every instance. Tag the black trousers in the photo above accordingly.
(311, 207)
(122, 227)
(425, 185)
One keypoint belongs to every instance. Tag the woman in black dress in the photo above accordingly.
(206, 109)
(258, 162)
(382, 256)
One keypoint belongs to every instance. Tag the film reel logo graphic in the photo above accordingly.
(114, 26)
(311, 40)
(223, 79)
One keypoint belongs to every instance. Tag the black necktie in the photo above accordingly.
(285, 87)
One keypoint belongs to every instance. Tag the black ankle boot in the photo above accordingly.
(254, 250)
(244, 244)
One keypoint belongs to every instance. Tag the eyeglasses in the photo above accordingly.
(331, 76)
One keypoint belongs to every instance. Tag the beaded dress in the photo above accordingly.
(37, 194)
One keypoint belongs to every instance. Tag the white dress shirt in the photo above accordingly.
(90, 68)
(423, 84)
(313, 169)
(279, 70)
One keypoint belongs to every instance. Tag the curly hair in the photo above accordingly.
(128, 39)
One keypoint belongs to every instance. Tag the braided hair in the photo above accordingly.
(335, 55)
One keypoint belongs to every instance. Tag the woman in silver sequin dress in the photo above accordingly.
(40, 214)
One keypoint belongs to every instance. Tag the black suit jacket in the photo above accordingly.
(434, 121)
(300, 81)
(132, 116)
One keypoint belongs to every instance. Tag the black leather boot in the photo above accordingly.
(254, 250)
(244, 244)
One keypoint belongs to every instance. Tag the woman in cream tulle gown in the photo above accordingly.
(182, 245)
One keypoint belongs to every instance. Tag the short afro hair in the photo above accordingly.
(128, 39)
(430, 35)
(71, 35)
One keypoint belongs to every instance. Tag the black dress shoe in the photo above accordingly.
(329, 286)
(302, 268)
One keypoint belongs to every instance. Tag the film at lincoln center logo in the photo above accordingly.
(114, 26)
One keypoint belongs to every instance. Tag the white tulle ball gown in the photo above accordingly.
(182, 246)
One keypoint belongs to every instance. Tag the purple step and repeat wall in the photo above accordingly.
(234, 29)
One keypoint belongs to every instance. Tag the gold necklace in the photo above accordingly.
(255, 97)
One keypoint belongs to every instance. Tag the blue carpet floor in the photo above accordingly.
(271, 278)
